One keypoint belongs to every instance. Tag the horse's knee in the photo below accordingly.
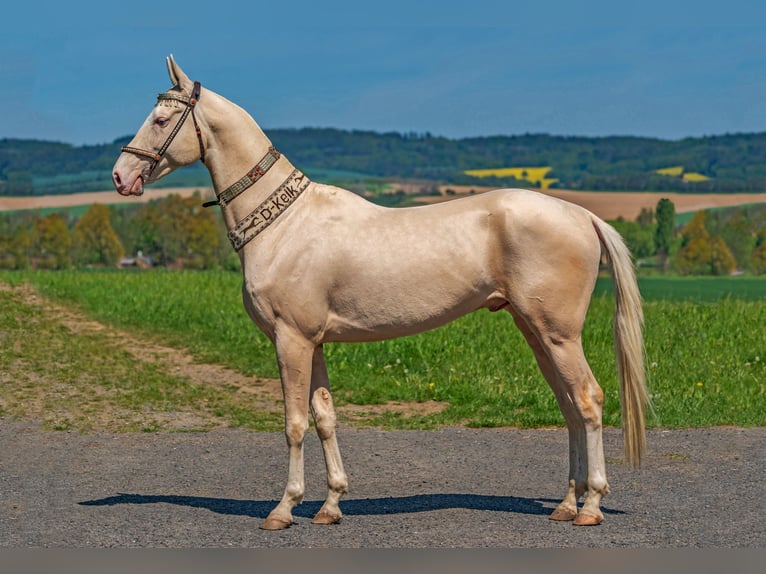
(295, 431)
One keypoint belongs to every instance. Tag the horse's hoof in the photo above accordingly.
(584, 519)
(563, 514)
(275, 524)
(324, 517)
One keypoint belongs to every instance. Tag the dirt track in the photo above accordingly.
(103, 197)
(611, 205)
(606, 205)
(450, 488)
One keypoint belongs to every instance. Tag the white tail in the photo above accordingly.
(628, 342)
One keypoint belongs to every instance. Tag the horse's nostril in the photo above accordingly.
(116, 178)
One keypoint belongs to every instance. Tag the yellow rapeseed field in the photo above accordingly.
(534, 175)
(694, 176)
(678, 171)
(675, 171)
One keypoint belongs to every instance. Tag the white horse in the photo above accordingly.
(322, 264)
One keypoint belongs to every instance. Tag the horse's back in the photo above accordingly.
(538, 231)
(489, 237)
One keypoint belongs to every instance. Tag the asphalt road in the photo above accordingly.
(450, 488)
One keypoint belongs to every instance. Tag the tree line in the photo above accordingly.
(171, 232)
(732, 162)
(719, 242)
(178, 232)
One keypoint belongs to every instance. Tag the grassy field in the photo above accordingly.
(706, 357)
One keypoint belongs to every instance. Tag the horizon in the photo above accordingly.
(420, 135)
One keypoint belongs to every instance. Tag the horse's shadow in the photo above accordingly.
(353, 507)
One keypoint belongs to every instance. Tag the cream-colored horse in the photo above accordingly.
(322, 264)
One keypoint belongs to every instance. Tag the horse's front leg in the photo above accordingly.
(294, 355)
(324, 417)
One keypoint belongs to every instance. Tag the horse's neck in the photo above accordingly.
(237, 144)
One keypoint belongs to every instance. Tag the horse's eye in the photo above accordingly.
(162, 122)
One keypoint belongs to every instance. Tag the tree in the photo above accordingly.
(701, 253)
(123, 223)
(758, 255)
(52, 242)
(15, 241)
(180, 231)
(646, 218)
(202, 235)
(638, 239)
(694, 256)
(665, 214)
(152, 239)
(94, 241)
(737, 232)
(722, 262)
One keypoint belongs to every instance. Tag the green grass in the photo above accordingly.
(694, 289)
(706, 348)
(199, 311)
(83, 379)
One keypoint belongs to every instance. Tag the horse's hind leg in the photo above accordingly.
(580, 399)
(324, 417)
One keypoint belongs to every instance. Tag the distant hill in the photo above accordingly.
(35, 167)
(722, 164)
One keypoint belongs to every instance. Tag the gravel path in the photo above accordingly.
(450, 488)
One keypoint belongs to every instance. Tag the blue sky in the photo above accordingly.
(87, 72)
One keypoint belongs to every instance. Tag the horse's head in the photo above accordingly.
(166, 140)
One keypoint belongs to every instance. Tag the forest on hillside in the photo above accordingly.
(720, 164)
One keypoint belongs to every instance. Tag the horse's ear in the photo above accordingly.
(177, 75)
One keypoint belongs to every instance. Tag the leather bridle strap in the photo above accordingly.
(190, 102)
(255, 173)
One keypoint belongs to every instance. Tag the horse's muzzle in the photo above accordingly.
(125, 187)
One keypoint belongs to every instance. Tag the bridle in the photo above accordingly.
(190, 102)
(267, 211)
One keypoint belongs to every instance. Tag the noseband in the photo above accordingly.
(190, 102)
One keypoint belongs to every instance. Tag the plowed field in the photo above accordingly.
(607, 205)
